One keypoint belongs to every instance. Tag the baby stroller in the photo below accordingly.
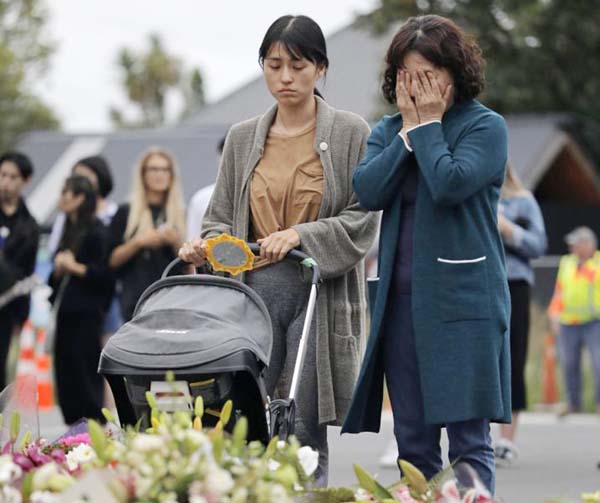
(214, 333)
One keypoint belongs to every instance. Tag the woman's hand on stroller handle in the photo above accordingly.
(193, 252)
(276, 246)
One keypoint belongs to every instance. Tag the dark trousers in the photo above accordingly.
(286, 297)
(418, 442)
(6, 328)
(76, 355)
(520, 293)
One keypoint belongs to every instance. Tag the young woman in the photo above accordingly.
(97, 170)
(285, 181)
(146, 233)
(439, 328)
(79, 283)
(523, 233)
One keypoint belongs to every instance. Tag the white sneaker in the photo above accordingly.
(505, 452)
(389, 459)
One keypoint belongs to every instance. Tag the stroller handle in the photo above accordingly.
(294, 255)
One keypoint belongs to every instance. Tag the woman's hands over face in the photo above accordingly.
(276, 246)
(430, 99)
(404, 102)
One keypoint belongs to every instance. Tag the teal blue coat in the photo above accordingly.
(460, 297)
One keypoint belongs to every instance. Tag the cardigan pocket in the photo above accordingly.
(346, 348)
(464, 292)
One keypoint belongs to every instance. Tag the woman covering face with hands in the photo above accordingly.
(439, 330)
(285, 181)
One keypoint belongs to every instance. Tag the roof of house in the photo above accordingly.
(55, 153)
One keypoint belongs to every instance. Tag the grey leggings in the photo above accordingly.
(286, 297)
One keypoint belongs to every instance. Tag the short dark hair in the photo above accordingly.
(22, 162)
(100, 167)
(440, 41)
(301, 36)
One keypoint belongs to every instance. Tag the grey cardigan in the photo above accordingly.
(338, 240)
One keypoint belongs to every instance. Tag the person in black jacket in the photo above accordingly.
(146, 232)
(79, 283)
(19, 239)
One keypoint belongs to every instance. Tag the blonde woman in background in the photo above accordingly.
(523, 234)
(146, 232)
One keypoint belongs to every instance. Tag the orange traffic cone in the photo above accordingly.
(549, 387)
(26, 368)
(26, 362)
(44, 373)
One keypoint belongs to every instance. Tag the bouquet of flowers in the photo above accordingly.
(414, 488)
(175, 460)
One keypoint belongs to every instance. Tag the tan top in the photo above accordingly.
(287, 184)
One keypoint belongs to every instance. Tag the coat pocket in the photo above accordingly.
(464, 289)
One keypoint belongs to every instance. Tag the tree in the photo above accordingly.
(148, 78)
(542, 55)
(25, 51)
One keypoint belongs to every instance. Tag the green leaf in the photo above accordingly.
(414, 476)
(97, 439)
(27, 485)
(15, 426)
(368, 483)
(170, 376)
(240, 433)
(108, 415)
(199, 407)
(271, 448)
(226, 412)
(26, 440)
(150, 399)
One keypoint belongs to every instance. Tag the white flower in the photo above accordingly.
(43, 476)
(9, 471)
(309, 460)
(273, 465)
(10, 495)
(218, 481)
(44, 497)
(197, 499)
(146, 443)
(83, 453)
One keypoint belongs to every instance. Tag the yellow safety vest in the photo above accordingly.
(579, 287)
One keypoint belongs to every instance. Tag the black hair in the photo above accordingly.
(301, 36)
(86, 213)
(22, 162)
(100, 167)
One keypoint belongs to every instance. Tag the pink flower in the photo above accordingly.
(23, 461)
(450, 493)
(402, 494)
(82, 438)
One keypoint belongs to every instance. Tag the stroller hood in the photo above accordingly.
(183, 321)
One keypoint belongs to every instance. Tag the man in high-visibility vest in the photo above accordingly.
(575, 312)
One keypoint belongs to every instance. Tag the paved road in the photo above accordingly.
(558, 457)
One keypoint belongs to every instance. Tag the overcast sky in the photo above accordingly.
(221, 37)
